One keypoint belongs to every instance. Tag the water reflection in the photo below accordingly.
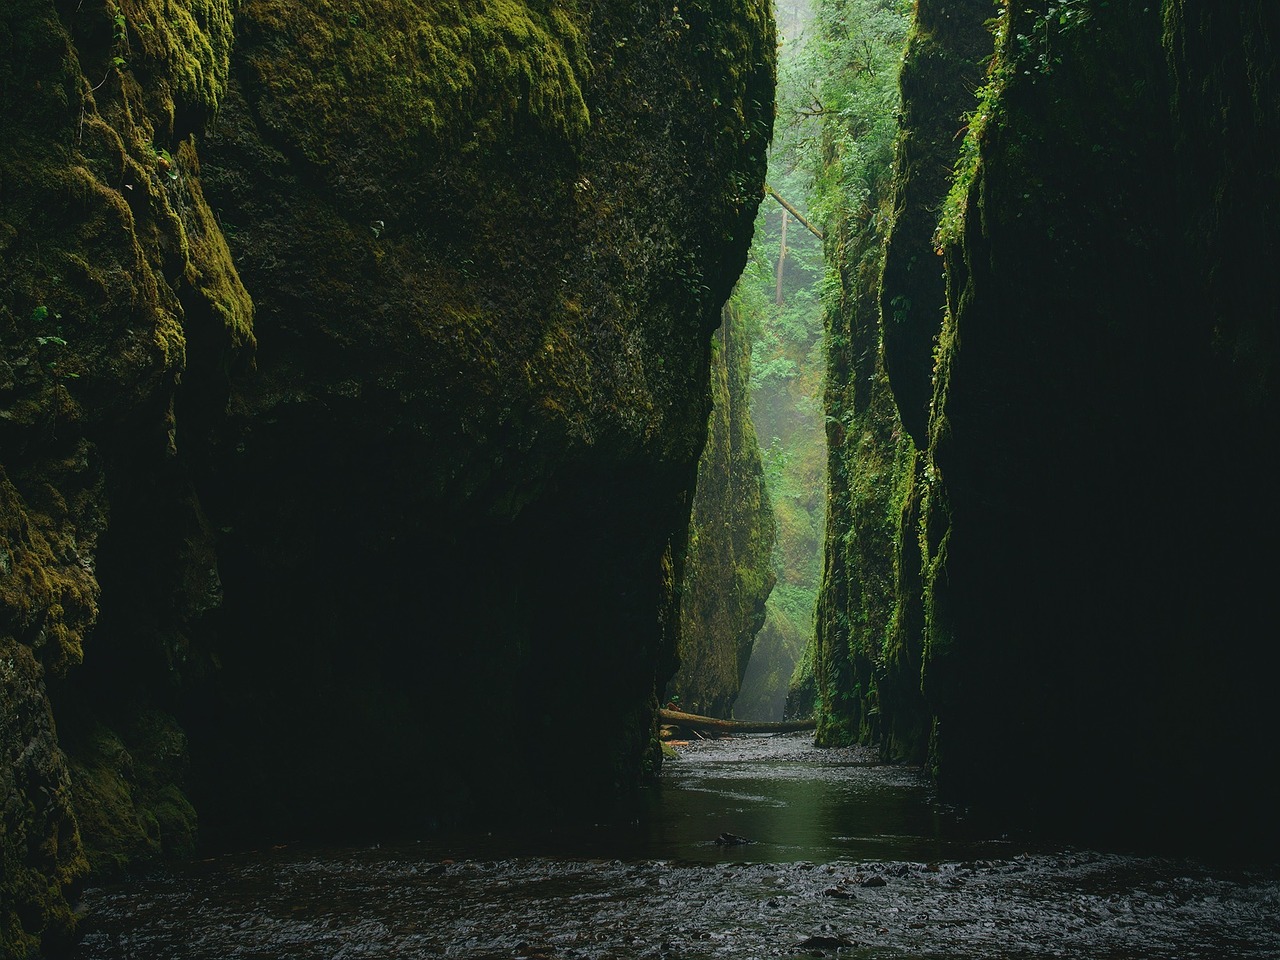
(800, 803)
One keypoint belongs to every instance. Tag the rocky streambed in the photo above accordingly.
(849, 858)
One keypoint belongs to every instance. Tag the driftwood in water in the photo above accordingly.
(692, 721)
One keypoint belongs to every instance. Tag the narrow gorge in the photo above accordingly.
(383, 442)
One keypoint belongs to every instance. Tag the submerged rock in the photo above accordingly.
(824, 942)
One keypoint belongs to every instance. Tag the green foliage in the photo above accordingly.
(854, 56)
(951, 217)
(852, 60)
(1033, 49)
(786, 387)
(779, 368)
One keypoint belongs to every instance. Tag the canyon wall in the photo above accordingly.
(353, 378)
(729, 570)
(1081, 566)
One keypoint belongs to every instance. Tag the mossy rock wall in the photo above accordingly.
(488, 248)
(883, 334)
(1077, 579)
(1095, 587)
(1075, 608)
(729, 570)
(358, 574)
(943, 64)
(860, 658)
(861, 672)
(121, 311)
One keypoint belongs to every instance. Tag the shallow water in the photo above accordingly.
(849, 859)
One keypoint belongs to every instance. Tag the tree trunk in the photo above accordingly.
(793, 211)
(692, 721)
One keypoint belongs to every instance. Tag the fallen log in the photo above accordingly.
(691, 721)
(793, 211)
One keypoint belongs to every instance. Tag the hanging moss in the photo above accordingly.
(113, 270)
(183, 45)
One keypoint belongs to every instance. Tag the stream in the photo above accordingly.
(850, 858)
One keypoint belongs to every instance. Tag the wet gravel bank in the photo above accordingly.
(709, 900)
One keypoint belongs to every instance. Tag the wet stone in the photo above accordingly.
(828, 824)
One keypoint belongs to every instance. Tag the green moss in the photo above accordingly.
(860, 656)
(518, 347)
(209, 269)
(951, 217)
(130, 799)
(114, 273)
(395, 72)
(859, 661)
(186, 45)
(40, 852)
(530, 325)
(111, 220)
(729, 570)
(47, 598)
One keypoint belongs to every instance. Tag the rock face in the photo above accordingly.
(729, 570)
(861, 669)
(940, 68)
(1094, 641)
(324, 501)
(120, 318)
